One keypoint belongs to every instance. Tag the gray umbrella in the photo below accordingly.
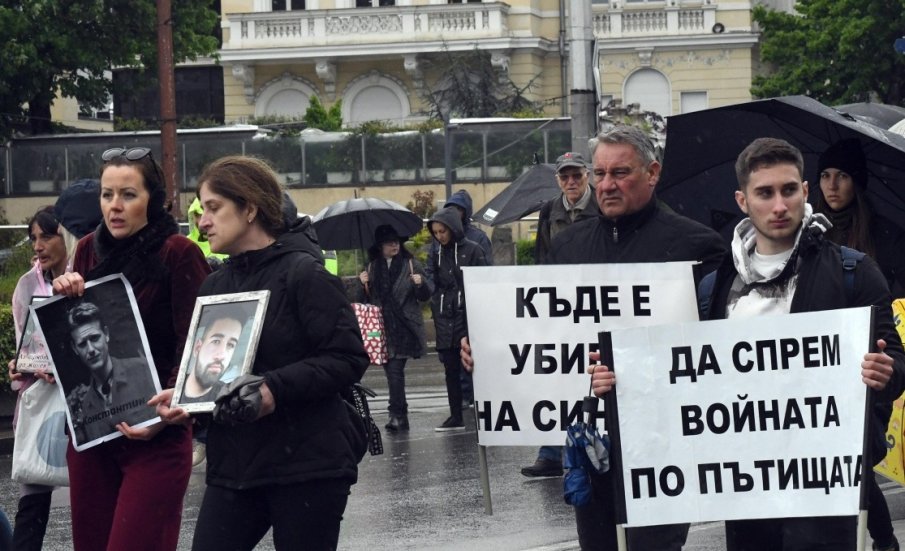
(351, 224)
(883, 115)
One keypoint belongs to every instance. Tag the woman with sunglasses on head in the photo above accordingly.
(288, 459)
(127, 493)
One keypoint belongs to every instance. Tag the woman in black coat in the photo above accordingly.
(395, 281)
(288, 459)
(448, 301)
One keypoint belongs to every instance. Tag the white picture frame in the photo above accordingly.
(82, 333)
(221, 345)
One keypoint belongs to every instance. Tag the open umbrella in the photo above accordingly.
(883, 115)
(526, 194)
(698, 178)
(351, 224)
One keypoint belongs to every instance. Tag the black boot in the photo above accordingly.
(398, 423)
(31, 522)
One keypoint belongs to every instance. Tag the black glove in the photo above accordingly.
(240, 401)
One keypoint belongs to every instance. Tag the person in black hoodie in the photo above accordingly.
(283, 448)
(448, 301)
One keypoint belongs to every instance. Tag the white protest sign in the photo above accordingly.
(531, 328)
(767, 420)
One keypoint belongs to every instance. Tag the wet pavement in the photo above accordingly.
(424, 492)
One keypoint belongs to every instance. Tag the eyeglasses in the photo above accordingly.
(566, 176)
(131, 154)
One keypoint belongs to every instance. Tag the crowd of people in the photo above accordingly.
(283, 443)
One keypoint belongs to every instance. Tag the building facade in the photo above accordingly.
(377, 56)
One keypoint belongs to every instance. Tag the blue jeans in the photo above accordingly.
(395, 372)
(6, 532)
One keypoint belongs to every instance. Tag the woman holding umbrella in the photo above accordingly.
(395, 281)
(842, 199)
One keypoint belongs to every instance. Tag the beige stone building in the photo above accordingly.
(671, 56)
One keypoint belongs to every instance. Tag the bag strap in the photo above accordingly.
(850, 260)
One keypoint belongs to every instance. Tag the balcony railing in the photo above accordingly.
(367, 25)
(619, 20)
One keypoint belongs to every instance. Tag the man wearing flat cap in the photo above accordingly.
(575, 202)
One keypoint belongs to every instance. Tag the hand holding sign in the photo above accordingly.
(602, 379)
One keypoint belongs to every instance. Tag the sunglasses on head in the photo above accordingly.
(131, 154)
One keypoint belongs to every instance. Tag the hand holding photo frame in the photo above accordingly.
(221, 345)
(102, 360)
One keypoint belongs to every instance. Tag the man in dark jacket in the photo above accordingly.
(781, 263)
(633, 228)
(575, 203)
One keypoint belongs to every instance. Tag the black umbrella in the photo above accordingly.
(883, 115)
(351, 224)
(526, 194)
(698, 178)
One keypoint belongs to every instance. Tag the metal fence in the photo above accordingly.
(482, 151)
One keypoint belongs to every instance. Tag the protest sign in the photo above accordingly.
(531, 329)
(742, 419)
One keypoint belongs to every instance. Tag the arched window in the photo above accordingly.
(650, 88)
(375, 96)
(286, 96)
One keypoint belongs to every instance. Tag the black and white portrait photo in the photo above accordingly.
(101, 358)
(221, 346)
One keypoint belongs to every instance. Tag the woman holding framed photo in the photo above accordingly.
(127, 493)
(283, 449)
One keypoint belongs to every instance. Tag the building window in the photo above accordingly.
(374, 3)
(287, 5)
(461, 2)
(650, 89)
(693, 101)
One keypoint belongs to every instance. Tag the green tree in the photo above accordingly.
(836, 51)
(50, 45)
(328, 120)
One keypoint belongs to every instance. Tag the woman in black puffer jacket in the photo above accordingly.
(291, 467)
(448, 301)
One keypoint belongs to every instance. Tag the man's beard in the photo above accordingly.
(207, 379)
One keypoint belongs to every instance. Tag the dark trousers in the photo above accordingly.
(127, 494)
(452, 364)
(596, 524)
(395, 372)
(879, 523)
(792, 534)
(304, 516)
(31, 521)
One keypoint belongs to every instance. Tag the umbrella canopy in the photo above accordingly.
(698, 178)
(351, 224)
(526, 194)
(883, 115)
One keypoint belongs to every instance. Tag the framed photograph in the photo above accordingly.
(222, 342)
(31, 353)
(101, 358)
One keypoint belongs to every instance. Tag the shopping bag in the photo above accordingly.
(39, 449)
(370, 321)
